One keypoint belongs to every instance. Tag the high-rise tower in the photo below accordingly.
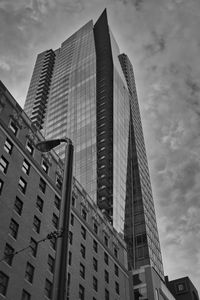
(86, 89)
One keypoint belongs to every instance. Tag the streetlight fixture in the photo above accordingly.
(61, 261)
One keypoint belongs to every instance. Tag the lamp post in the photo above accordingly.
(62, 243)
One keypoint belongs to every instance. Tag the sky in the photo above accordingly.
(162, 40)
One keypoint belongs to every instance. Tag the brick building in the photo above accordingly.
(30, 196)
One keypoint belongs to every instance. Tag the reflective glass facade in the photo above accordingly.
(92, 99)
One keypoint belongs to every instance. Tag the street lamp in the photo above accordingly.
(62, 243)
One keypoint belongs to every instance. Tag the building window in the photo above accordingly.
(95, 284)
(18, 206)
(106, 258)
(8, 146)
(95, 228)
(51, 263)
(42, 185)
(70, 237)
(1, 185)
(45, 167)
(13, 128)
(115, 252)
(55, 221)
(29, 147)
(83, 232)
(57, 202)
(70, 258)
(83, 251)
(25, 295)
(117, 287)
(84, 214)
(8, 253)
(95, 246)
(3, 283)
(107, 296)
(95, 264)
(29, 272)
(3, 165)
(22, 185)
(105, 240)
(72, 220)
(26, 167)
(68, 285)
(81, 292)
(82, 270)
(58, 183)
(181, 287)
(33, 247)
(48, 289)
(106, 276)
(13, 228)
(53, 242)
(36, 224)
(39, 204)
(73, 201)
(116, 270)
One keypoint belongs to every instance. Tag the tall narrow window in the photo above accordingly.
(25, 295)
(48, 289)
(106, 258)
(107, 296)
(53, 242)
(55, 221)
(22, 185)
(39, 204)
(95, 284)
(1, 185)
(106, 276)
(29, 147)
(36, 224)
(95, 227)
(33, 247)
(13, 128)
(116, 270)
(26, 167)
(117, 287)
(70, 237)
(51, 263)
(81, 292)
(83, 232)
(95, 246)
(57, 202)
(95, 264)
(72, 220)
(29, 273)
(42, 185)
(84, 214)
(83, 251)
(13, 228)
(8, 146)
(3, 165)
(45, 166)
(70, 258)
(3, 283)
(18, 206)
(8, 253)
(82, 270)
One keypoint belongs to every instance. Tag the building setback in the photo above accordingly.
(92, 99)
(30, 198)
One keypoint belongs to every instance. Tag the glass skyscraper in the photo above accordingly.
(85, 90)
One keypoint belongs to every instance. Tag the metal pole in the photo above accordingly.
(61, 262)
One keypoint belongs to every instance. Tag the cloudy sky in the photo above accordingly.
(162, 39)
